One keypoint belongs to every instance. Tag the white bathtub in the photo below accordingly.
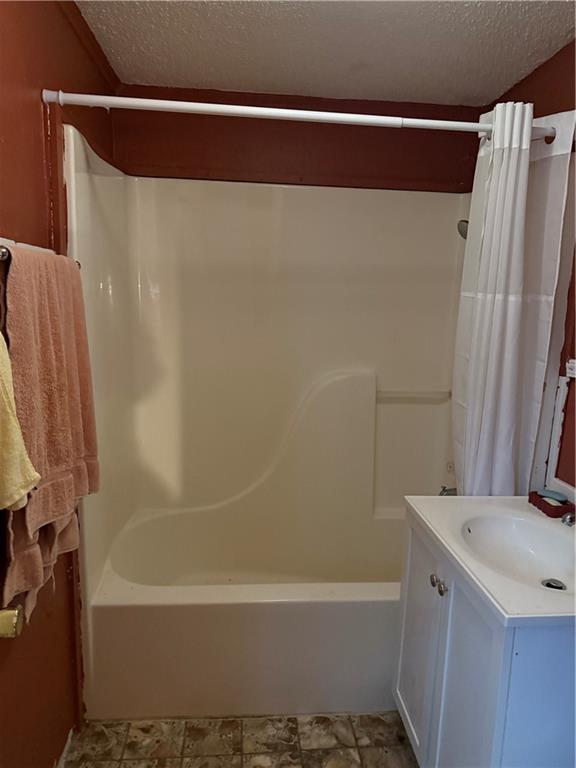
(271, 618)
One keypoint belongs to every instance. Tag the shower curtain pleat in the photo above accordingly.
(506, 306)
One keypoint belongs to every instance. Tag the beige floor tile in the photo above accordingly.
(325, 732)
(213, 737)
(98, 741)
(269, 734)
(154, 738)
(273, 760)
(213, 761)
(331, 758)
(388, 757)
(382, 730)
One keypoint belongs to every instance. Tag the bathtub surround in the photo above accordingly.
(318, 741)
(253, 478)
(220, 343)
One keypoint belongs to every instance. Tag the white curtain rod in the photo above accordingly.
(270, 113)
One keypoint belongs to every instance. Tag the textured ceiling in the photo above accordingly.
(439, 52)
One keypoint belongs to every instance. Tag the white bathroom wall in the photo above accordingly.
(215, 308)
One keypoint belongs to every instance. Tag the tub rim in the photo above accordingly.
(115, 590)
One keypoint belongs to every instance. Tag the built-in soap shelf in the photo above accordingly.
(426, 397)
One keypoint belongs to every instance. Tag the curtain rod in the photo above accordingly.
(270, 113)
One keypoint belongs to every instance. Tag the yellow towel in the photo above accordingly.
(17, 475)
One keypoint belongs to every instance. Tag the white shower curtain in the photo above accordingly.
(507, 300)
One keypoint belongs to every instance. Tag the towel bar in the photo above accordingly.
(11, 622)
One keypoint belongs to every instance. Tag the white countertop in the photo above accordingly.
(513, 597)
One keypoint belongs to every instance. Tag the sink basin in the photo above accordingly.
(505, 548)
(529, 551)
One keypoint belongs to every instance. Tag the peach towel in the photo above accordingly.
(54, 402)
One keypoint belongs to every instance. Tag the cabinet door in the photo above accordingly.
(471, 653)
(421, 607)
(540, 715)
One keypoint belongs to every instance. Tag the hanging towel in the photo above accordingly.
(54, 403)
(17, 475)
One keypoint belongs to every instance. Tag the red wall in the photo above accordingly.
(40, 49)
(233, 149)
(39, 672)
(550, 87)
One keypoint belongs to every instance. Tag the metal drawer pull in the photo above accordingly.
(11, 622)
(433, 580)
(442, 588)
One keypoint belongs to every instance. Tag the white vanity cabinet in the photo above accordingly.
(476, 687)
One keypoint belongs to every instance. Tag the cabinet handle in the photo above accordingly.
(442, 588)
(433, 580)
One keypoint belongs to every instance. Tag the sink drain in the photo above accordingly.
(553, 584)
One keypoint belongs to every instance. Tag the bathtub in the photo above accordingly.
(271, 619)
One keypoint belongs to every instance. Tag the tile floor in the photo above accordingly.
(306, 741)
